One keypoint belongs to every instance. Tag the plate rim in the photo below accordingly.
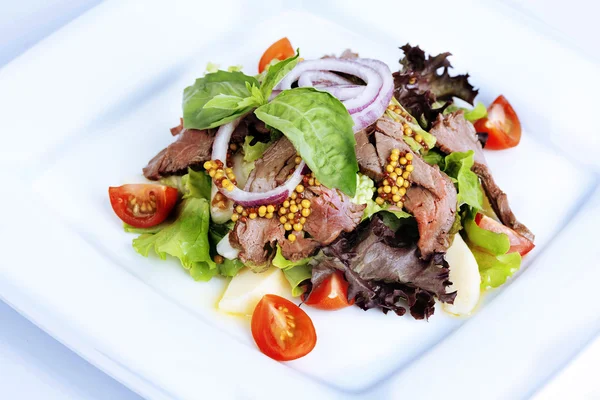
(88, 352)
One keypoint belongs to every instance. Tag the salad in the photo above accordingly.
(329, 183)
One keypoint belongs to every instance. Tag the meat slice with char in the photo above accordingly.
(366, 155)
(272, 169)
(431, 198)
(191, 148)
(332, 213)
(299, 249)
(455, 134)
(256, 238)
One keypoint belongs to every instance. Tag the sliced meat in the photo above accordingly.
(435, 216)
(367, 156)
(332, 213)
(192, 148)
(255, 125)
(272, 169)
(301, 248)
(454, 133)
(346, 54)
(431, 198)
(256, 239)
(250, 125)
(177, 129)
(499, 202)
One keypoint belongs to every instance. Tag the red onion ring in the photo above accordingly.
(222, 138)
(314, 78)
(373, 79)
(342, 92)
(251, 199)
(364, 103)
(273, 196)
(377, 108)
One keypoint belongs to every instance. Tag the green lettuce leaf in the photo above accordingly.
(295, 276)
(230, 268)
(281, 262)
(196, 184)
(415, 146)
(494, 243)
(490, 251)
(471, 114)
(495, 270)
(458, 166)
(295, 272)
(276, 72)
(220, 83)
(434, 157)
(253, 153)
(320, 128)
(216, 232)
(153, 229)
(478, 112)
(211, 67)
(173, 181)
(192, 184)
(186, 239)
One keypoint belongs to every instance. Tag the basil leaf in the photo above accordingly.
(220, 83)
(224, 102)
(276, 73)
(320, 128)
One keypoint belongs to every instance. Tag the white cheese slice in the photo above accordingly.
(465, 278)
(247, 288)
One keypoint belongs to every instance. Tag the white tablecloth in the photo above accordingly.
(35, 366)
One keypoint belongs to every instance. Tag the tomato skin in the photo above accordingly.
(281, 50)
(158, 199)
(331, 294)
(502, 125)
(517, 242)
(273, 320)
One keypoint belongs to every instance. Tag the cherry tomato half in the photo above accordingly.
(502, 125)
(142, 205)
(281, 329)
(517, 242)
(331, 294)
(281, 50)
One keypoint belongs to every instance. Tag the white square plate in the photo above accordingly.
(88, 107)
